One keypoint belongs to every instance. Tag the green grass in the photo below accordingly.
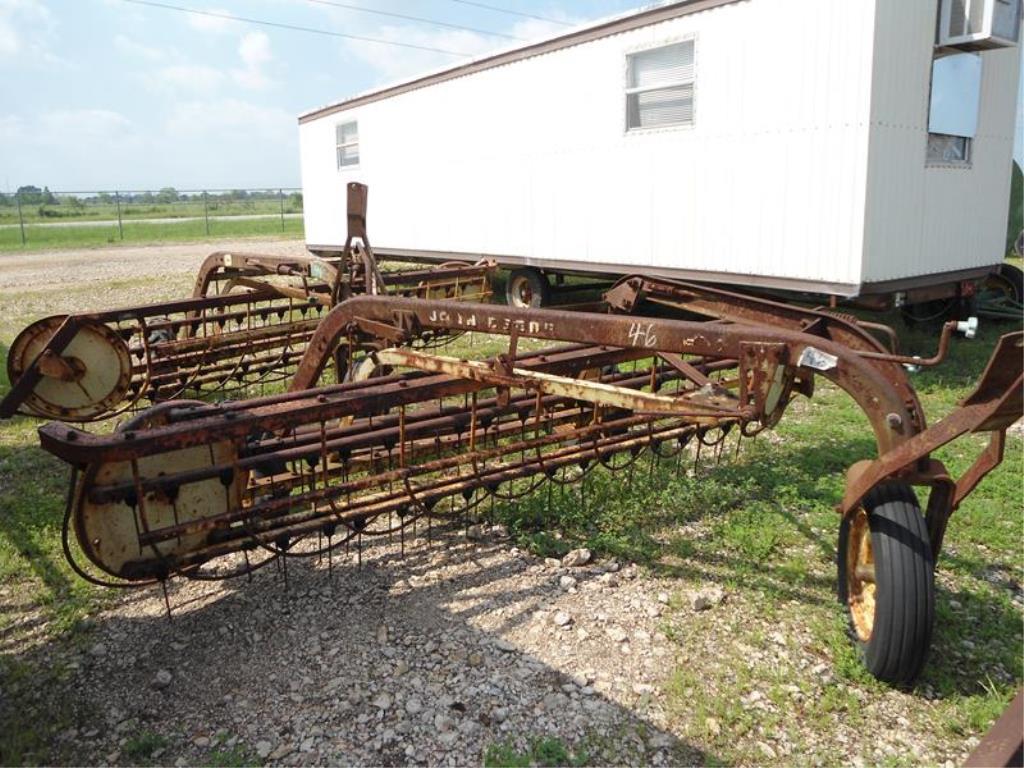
(546, 751)
(143, 233)
(140, 748)
(25, 737)
(229, 757)
(64, 211)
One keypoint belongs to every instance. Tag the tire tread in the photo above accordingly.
(901, 636)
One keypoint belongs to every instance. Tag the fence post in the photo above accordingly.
(120, 226)
(21, 219)
(280, 195)
(206, 212)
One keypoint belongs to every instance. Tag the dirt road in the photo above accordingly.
(42, 283)
(40, 269)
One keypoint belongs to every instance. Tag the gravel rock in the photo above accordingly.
(567, 582)
(617, 634)
(162, 679)
(706, 598)
(414, 705)
(562, 619)
(281, 752)
(577, 558)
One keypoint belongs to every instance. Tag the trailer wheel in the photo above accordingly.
(527, 288)
(1007, 281)
(886, 580)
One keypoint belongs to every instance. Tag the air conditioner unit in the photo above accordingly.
(978, 25)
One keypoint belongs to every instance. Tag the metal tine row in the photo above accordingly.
(324, 467)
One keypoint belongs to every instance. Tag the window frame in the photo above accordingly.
(964, 164)
(340, 146)
(968, 162)
(628, 91)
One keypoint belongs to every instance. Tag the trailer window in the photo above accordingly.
(347, 135)
(953, 109)
(948, 150)
(659, 86)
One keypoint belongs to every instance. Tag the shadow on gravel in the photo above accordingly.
(414, 660)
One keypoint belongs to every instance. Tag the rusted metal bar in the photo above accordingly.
(882, 401)
(1003, 745)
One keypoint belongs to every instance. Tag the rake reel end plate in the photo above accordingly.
(88, 378)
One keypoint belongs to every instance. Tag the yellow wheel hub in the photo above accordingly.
(860, 576)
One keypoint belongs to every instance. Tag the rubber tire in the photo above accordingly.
(538, 283)
(1014, 278)
(904, 582)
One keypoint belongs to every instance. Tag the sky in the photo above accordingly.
(105, 94)
(109, 94)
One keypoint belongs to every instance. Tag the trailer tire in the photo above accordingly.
(892, 610)
(1008, 280)
(527, 288)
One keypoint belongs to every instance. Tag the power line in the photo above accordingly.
(415, 18)
(293, 27)
(512, 13)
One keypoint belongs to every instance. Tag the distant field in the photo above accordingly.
(139, 232)
(63, 211)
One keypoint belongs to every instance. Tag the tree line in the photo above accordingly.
(31, 195)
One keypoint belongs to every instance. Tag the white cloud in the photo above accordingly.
(27, 30)
(190, 78)
(207, 117)
(71, 125)
(209, 23)
(394, 62)
(131, 47)
(254, 50)
(62, 128)
(12, 128)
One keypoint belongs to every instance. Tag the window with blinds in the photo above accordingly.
(659, 86)
(347, 139)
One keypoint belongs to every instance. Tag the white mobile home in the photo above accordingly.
(846, 147)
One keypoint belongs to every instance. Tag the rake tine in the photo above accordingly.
(167, 599)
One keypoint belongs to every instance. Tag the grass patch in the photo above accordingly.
(546, 751)
(26, 738)
(144, 233)
(143, 746)
(229, 757)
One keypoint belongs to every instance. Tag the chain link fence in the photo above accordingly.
(34, 217)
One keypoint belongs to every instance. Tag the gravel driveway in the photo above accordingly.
(35, 270)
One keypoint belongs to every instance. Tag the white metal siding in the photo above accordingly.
(532, 159)
(923, 219)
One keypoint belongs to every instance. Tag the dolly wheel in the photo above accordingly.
(886, 579)
(527, 289)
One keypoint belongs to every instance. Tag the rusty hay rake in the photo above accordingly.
(380, 431)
